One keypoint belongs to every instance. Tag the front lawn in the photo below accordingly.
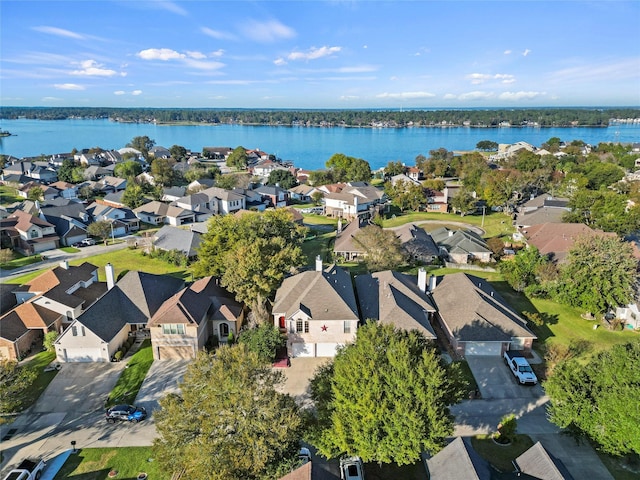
(128, 385)
(95, 464)
(21, 261)
(38, 362)
(9, 195)
(501, 456)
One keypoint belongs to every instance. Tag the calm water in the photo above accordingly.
(308, 148)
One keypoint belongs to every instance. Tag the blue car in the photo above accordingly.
(129, 413)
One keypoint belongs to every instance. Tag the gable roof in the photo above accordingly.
(345, 241)
(539, 463)
(326, 295)
(63, 277)
(33, 316)
(460, 240)
(174, 238)
(474, 311)
(134, 299)
(394, 298)
(416, 240)
(187, 306)
(458, 460)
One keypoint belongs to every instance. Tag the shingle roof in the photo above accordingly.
(474, 311)
(344, 240)
(328, 295)
(539, 463)
(65, 277)
(12, 327)
(394, 298)
(174, 238)
(417, 241)
(186, 306)
(458, 461)
(461, 240)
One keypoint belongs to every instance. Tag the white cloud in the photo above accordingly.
(505, 77)
(406, 95)
(163, 54)
(507, 52)
(203, 65)
(349, 98)
(449, 96)
(625, 68)
(217, 53)
(196, 55)
(267, 31)
(280, 61)
(314, 53)
(68, 86)
(91, 68)
(119, 92)
(217, 34)
(520, 95)
(526, 52)
(476, 95)
(478, 78)
(60, 32)
(169, 7)
(136, 92)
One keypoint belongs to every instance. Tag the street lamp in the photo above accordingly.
(73, 446)
(483, 209)
(112, 238)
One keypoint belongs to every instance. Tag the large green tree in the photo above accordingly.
(521, 271)
(230, 420)
(133, 195)
(143, 144)
(162, 171)
(238, 158)
(385, 398)
(14, 380)
(599, 274)
(251, 253)
(348, 169)
(128, 169)
(599, 398)
(264, 339)
(101, 228)
(65, 172)
(282, 178)
(382, 248)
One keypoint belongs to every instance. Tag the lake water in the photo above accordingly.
(306, 147)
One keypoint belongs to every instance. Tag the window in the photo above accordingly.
(33, 233)
(299, 326)
(74, 331)
(224, 330)
(347, 327)
(306, 327)
(173, 329)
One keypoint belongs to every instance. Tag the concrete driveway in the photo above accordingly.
(495, 380)
(163, 377)
(298, 375)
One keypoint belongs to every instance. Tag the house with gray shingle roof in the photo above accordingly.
(397, 299)
(224, 201)
(317, 310)
(537, 462)
(157, 213)
(476, 319)
(173, 238)
(461, 246)
(127, 306)
(458, 460)
(345, 244)
(417, 243)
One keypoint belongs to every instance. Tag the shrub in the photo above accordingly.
(118, 355)
(49, 339)
(507, 428)
(534, 318)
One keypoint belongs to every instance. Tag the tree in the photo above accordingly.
(381, 247)
(348, 169)
(282, 178)
(520, 272)
(434, 184)
(14, 380)
(86, 192)
(129, 169)
(162, 171)
(384, 398)
(65, 172)
(133, 195)
(238, 158)
(599, 274)
(598, 398)
(394, 168)
(316, 197)
(101, 229)
(228, 182)
(487, 146)
(229, 419)
(143, 144)
(6, 255)
(264, 340)
(178, 152)
(463, 203)
(49, 340)
(251, 254)
(35, 193)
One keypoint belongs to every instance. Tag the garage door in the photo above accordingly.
(483, 348)
(83, 355)
(303, 349)
(175, 353)
(326, 349)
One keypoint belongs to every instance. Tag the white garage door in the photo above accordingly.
(303, 349)
(326, 349)
(82, 355)
(483, 348)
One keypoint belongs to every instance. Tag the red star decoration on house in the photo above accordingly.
(324, 328)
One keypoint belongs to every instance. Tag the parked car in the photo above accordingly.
(79, 244)
(351, 468)
(29, 469)
(88, 242)
(129, 413)
(304, 455)
(520, 368)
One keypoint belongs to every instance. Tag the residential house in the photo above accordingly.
(224, 201)
(458, 460)
(397, 299)
(274, 195)
(47, 193)
(436, 201)
(199, 204)
(66, 190)
(461, 246)
(538, 463)
(253, 199)
(114, 199)
(417, 243)
(556, 239)
(171, 194)
(403, 178)
(303, 193)
(69, 218)
(47, 303)
(263, 168)
(157, 213)
(123, 220)
(345, 244)
(482, 324)
(354, 201)
(541, 209)
(309, 471)
(201, 184)
(170, 238)
(109, 184)
(127, 306)
(415, 173)
(28, 234)
(317, 310)
(159, 152)
(95, 172)
(38, 171)
(217, 153)
(630, 313)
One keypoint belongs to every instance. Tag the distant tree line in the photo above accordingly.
(544, 117)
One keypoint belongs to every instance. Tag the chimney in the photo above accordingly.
(111, 277)
(64, 264)
(422, 280)
(451, 233)
(339, 224)
(432, 283)
(318, 263)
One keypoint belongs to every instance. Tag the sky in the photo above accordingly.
(319, 54)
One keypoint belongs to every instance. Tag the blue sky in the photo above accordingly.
(315, 54)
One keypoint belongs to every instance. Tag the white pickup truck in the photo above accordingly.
(29, 469)
(520, 368)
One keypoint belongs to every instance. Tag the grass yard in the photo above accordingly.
(38, 362)
(500, 456)
(21, 261)
(321, 245)
(313, 219)
(95, 464)
(69, 249)
(9, 195)
(128, 385)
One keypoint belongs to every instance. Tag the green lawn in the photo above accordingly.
(128, 385)
(321, 245)
(9, 195)
(313, 219)
(95, 464)
(38, 363)
(21, 261)
(70, 249)
(500, 456)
